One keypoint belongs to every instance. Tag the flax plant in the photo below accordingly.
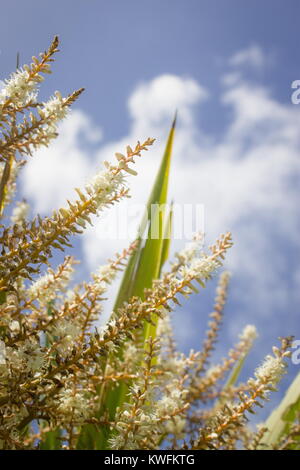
(66, 383)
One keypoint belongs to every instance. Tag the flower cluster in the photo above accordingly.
(20, 213)
(20, 88)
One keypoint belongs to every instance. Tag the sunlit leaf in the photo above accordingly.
(281, 419)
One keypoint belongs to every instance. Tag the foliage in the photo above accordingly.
(66, 383)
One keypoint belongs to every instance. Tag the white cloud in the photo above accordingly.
(50, 177)
(251, 56)
(248, 179)
(154, 101)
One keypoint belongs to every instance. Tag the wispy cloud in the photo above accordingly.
(251, 56)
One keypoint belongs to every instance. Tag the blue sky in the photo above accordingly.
(228, 67)
(110, 46)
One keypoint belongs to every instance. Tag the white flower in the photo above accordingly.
(70, 296)
(106, 272)
(170, 402)
(66, 328)
(103, 184)
(28, 356)
(203, 267)
(271, 370)
(73, 402)
(19, 88)
(176, 426)
(249, 333)
(54, 108)
(36, 360)
(46, 287)
(67, 333)
(213, 435)
(20, 213)
(40, 288)
(212, 371)
(190, 251)
(14, 326)
(101, 181)
(104, 276)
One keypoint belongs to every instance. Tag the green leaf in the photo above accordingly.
(51, 440)
(3, 183)
(2, 297)
(155, 254)
(281, 419)
(130, 284)
(167, 237)
(235, 373)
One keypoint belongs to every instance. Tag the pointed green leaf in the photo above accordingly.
(51, 440)
(281, 419)
(167, 238)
